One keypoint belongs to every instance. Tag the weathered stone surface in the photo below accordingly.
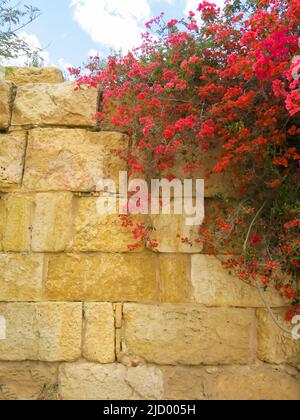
(5, 99)
(26, 381)
(41, 331)
(12, 149)
(96, 232)
(174, 279)
(85, 381)
(193, 335)
(213, 285)
(21, 277)
(24, 75)
(19, 214)
(274, 345)
(184, 383)
(71, 160)
(54, 104)
(258, 383)
(2, 220)
(171, 229)
(52, 224)
(99, 333)
(101, 278)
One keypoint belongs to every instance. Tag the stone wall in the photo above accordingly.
(87, 319)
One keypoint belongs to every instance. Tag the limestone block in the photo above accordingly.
(26, 380)
(12, 149)
(48, 332)
(71, 160)
(99, 333)
(5, 103)
(85, 381)
(274, 345)
(54, 104)
(96, 232)
(106, 277)
(184, 383)
(52, 222)
(174, 279)
(188, 334)
(213, 285)
(258, 383)
(19, 214)
(21, 277)
(25, 75)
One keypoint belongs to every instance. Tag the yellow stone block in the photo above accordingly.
(96, 232)
(256, 384)
(274, 345)
(174, 279)
(213, 285)
(21, 277)
(19, 214)
(5, 103)
(106, 277)
(24, 75)
(12, 149)
(71, 160)
(54, 104)
(26, 380)
(52, 224)
(99, 333)
(48, 332)
(188, 334)
(88, 381)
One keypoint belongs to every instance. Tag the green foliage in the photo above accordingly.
(14, 18)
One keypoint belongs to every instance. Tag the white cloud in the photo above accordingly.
(113, 23)
(34, 44)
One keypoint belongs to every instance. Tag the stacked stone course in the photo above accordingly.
(85, 316)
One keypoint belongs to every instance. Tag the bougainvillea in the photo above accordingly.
(223, 80)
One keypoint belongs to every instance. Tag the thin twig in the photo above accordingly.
(261, 293)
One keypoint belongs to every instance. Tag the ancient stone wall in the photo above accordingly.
(87, 319)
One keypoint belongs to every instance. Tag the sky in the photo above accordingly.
(69, 31)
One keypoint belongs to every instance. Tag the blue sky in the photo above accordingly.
(70, 29)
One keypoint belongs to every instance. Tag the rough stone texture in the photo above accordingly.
(12, 149)
(84, 381)
(41, 331)
(2, 220)
(169, 231)
(174, 279)
(213, 285)
(5, 99)
(95, 232)
(184, 383)
(21, 277)
(71, 160)
(19, 213)
(54, 104)
(102, 278)
(275, 346)
(99, 333)
(52, 224)
(259, 383)
(25, 75)
(25, 381)
(192, 335)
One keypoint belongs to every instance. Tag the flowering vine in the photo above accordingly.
(222, 80)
